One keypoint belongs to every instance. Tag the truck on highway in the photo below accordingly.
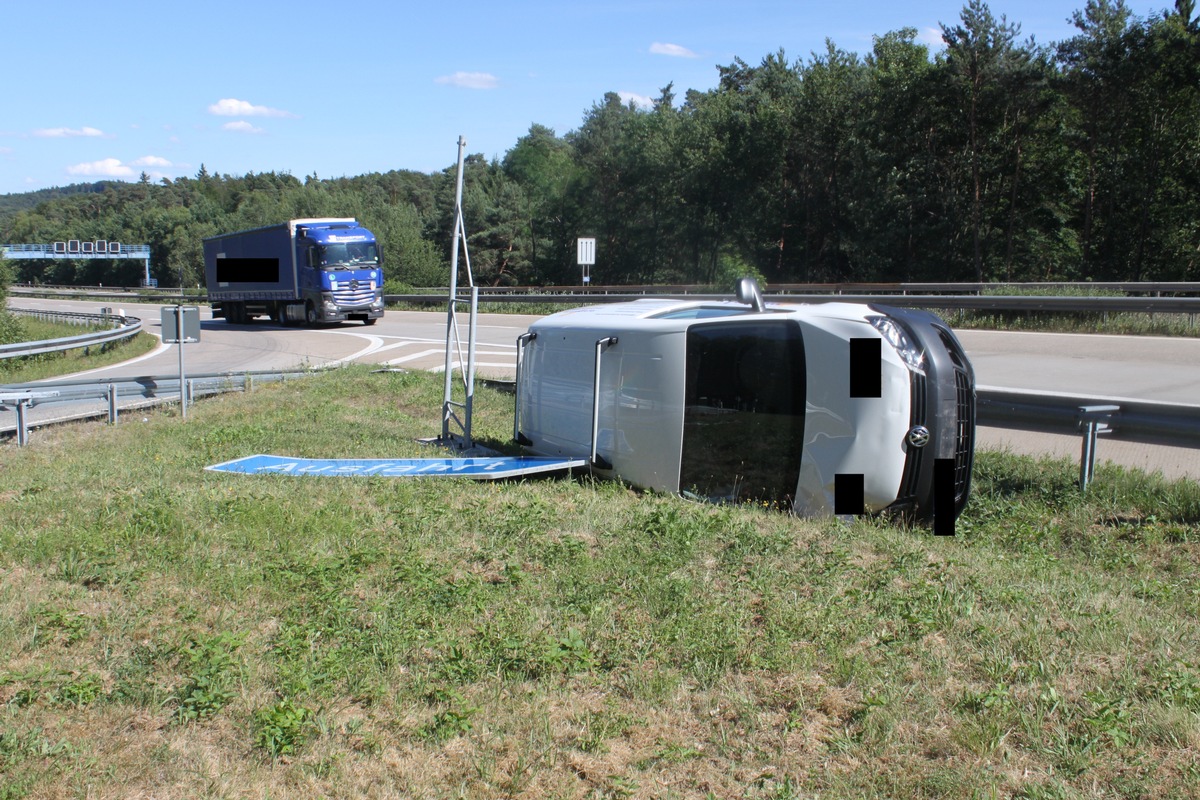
(300, 271)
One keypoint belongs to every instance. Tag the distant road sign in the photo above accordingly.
(492, 468)
(587, 252)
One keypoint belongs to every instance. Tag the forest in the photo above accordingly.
(992, 158)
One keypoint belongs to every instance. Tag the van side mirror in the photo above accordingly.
(748, 292)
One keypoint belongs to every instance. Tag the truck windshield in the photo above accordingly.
(352, 254)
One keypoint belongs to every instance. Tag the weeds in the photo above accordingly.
(454, 720)
(283, 727)
(208, 686)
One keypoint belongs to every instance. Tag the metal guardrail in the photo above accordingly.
(1123, 418)
(126, 328)
(1136, 420)
(1161, 305)
(1149, 301)
(150, 390)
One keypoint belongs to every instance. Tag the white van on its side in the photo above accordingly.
(820, 408)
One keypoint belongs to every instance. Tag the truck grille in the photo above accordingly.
(353, 294)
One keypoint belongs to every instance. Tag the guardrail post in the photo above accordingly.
(112, 404)
(22, 428)
(1092, 420)
(249, 381)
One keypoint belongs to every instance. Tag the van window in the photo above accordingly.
(705, 312)
(743, 424)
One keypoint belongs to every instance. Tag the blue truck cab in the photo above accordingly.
(303, 270)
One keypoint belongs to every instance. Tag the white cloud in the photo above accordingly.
(469, 80)
(5, 150)
(60, 133)
(229, 107)
(931, 37)
(639, 100)
(105, 168)
(241, 126)
(678, 51)
(159, 167)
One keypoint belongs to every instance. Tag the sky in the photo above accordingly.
(109, 90)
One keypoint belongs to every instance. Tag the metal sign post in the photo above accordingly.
(586, 252)
(180, 325)
(461, 440)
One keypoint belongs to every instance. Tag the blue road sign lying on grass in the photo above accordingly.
(493, 468)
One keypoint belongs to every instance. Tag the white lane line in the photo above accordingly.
(415, 356)
(373, 343)
(376, 345)
(442, 368)
(457, 365)
(162, 348)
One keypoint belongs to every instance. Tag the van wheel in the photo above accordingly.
(369, 321)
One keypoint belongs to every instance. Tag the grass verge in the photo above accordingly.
(171, 632)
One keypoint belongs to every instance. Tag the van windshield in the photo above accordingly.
(743, 423)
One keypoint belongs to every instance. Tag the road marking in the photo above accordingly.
(162, 348)
(415, 356)
(459, 365)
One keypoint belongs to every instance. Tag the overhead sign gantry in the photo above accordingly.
(78, 249)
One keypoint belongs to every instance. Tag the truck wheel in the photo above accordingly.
(232, 313)
(310, 313)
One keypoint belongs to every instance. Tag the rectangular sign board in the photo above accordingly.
(587, 252)
(491, 468)
(170, 324)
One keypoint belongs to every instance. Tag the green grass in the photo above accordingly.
(14, 328)
(1123, 323)
(167, 631)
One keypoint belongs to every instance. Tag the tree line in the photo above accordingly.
(990, 159)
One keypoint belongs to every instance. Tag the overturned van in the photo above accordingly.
(821, 408)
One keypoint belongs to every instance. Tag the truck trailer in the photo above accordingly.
(817, 408)
(300, 271)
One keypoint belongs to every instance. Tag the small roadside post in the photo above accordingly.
(586, 252)
(180, 325)
(1092, 420)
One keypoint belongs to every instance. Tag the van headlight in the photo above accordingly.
(896, 336)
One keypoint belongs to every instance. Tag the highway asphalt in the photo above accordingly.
(1147, 368)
